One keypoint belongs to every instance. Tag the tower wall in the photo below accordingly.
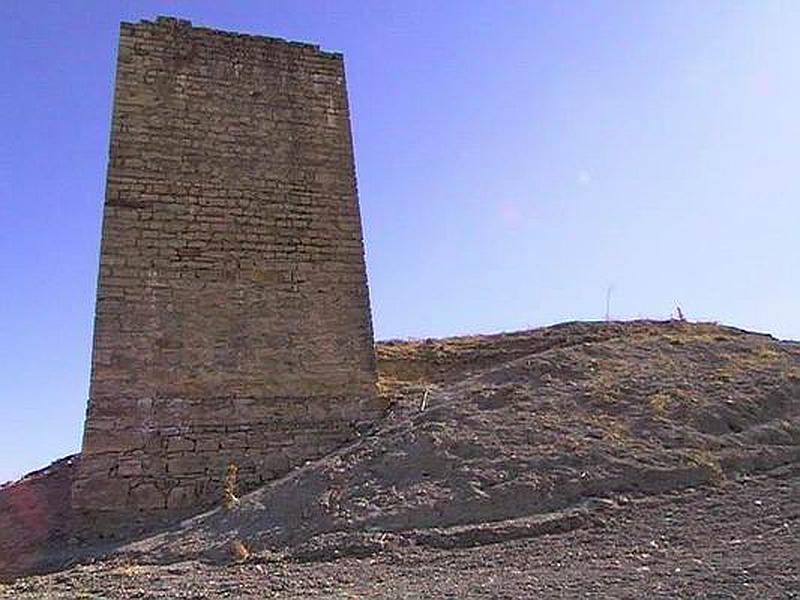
(232, 320)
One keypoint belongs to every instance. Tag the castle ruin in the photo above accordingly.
(232, 321)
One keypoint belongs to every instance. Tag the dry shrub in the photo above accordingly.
(659, 403)
(674, 401)
(705, 459)
(126, 569)
(231, 501)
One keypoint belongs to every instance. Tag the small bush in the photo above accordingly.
(126, 569)
(230, 501)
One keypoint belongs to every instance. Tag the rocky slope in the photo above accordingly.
(572, 432)
(35, 518)
(738, 541)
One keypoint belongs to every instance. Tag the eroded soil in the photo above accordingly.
(587, 459)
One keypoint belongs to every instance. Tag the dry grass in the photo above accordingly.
(666, 401)
(415, 349)
(126, 569)
(684, 334)
(759, 358)
(421, 362)
(605, 384)
(704, 458)
(618, 434)
(659, 403)
(387, 385)
(230, 500)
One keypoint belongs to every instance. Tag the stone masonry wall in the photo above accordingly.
(232, 320)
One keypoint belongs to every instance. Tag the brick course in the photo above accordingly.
(232, 319)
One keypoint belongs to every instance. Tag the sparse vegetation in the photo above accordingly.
(231, 500)
(664, 402)
(704, 458)
(125, 569)
(659, 403)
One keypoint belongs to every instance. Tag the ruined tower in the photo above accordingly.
(232, 322)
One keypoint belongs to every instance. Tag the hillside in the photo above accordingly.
(584, 456)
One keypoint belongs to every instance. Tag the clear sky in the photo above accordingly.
(516, 160)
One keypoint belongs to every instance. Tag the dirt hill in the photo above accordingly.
(512, 456)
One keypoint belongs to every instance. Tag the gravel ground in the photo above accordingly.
(740, 539)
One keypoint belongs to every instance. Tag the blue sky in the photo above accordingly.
(515, 161)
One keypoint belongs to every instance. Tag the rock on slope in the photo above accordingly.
(509, 436)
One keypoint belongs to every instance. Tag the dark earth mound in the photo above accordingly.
(581, 459)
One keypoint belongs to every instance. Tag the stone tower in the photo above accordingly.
(232, 321)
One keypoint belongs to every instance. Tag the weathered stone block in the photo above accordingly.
(144, 496)
(188, 464)
(130, 467)
(182, 497)
(181, 444)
